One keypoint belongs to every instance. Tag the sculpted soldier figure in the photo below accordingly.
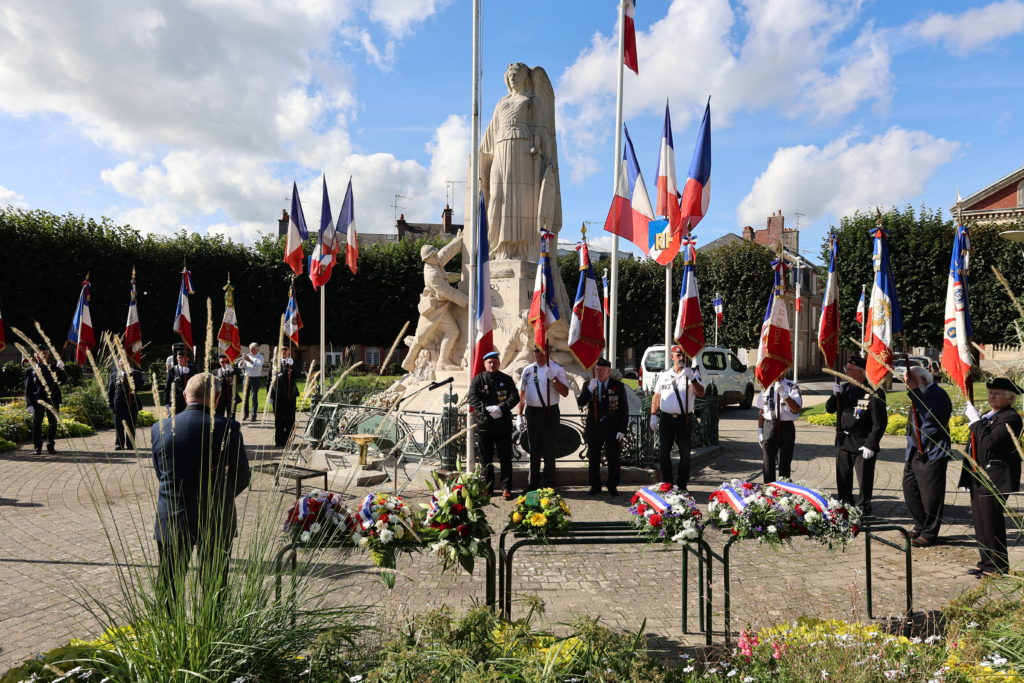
(439, 306)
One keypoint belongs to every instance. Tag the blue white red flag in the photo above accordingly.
(292, 319)
(543, 307)
(719, 309)
(347, 222)
(775, 348)
(605, 293)
(860, 307)
(885, 320)
(957, 359)
(81, 333)
(586, 327)
(733, 498)
(828, 324)
(810, 495)
(697, 191)
(133, 328)
(631, 211)
(229, 341)
(325, 254)
(365, 515)
(296, 233)
(689, 332)
(663, 239)
(484, 342)
(182, 315)
(629, 55)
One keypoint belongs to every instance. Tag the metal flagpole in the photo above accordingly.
(864, 313)
(718, 297)
(613, 299)
(474, 221)
(323, 336)
(796, 322)
(668, 315)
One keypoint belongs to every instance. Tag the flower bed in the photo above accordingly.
(540, 514)
(664, 514)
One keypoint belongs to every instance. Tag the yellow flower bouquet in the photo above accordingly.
(540, 514)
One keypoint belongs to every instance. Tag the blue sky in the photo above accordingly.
(200, 113)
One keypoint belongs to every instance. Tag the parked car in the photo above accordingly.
(900, 365)
(723, 374)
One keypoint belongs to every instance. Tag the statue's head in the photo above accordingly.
(427, 251)
(517, 77)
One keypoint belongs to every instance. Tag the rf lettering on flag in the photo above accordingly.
(957, 359)
(775, 348)
(586, 327)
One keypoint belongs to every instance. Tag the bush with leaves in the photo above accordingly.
(88, 404)
(12, 378)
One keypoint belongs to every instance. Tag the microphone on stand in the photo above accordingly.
(435, 385)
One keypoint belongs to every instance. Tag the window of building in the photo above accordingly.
(1020, 193)
(372, 356)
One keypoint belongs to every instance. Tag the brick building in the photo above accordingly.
(1000, 202)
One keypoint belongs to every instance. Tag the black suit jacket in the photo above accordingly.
(492, 389)
(174, 388)
(996, 452)
(42, 383)
(201, 466)
(122, 396)
(861, 420)
(607, 417)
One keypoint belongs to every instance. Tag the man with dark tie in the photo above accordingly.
(928, 453)
(607, 409)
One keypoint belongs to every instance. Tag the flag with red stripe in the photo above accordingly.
(297, 232)
(81, 333)
(629, 55)
(586, 327)
(133, 328)
(228, 339)
(663, 238)
(543, 307)
(775, 348)
(630, 213)
(182, 315)
(484, 342)
(689, 331)
(828, 324)
(957, 359)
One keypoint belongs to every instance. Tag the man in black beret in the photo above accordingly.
(492, 395)
(607, 418)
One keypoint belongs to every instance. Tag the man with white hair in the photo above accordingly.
(928, 453)
(252, 364)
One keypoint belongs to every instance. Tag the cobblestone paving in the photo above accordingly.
(55, 555)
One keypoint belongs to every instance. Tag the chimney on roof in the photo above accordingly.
(282, 224)
(748, 233)
(446, 221)
(401, 226)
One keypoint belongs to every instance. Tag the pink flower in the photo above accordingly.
(777, 649)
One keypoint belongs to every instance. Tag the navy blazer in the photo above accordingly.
(201, 466)
(607, 417)
(861, 418)
(933, 409)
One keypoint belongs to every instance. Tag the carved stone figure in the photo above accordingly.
(440, 308)
(519, 165)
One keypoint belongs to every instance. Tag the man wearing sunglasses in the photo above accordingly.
(672, 414)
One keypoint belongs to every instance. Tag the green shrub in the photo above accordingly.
(88, 404)
(6, 445)
(71, 428)
(145, 419)
(74, 372)
(15, 423)
(823, 419)
(897, 425)
(12, 378)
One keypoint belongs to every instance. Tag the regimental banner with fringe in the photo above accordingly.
(957, 359)
(775, 348)
(586, 325)
(81, 334)
(543, 307)
(885, 320)
(653, 499)
(811, 496)
(228, 339)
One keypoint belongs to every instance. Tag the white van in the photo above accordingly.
(721, 370)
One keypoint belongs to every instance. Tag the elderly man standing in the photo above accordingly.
(201, 466)
(252, 364)
(43, 397)
(672, 414)
(928, 453)
(607, 420)
(492, 395)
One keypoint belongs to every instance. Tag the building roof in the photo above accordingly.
(970, 200)
(725, 240)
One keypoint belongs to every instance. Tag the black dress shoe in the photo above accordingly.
(921, 543)
(974, 571)
(39, 451)
(613, 491)
(51, 449)
(593, 491)
(118, 447)
(914, 533)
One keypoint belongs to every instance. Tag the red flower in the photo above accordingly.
(799, 510)
(855, 529)
(747, 485)
(457, 487)
(641, 509)
(458, 508)
(665, 487)
(735, 533)
(463, 530)
(655, 520)
(634, 499)
(384, 518)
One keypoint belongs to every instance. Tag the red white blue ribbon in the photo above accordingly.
(653, 499)
(812, 497)
(365, 514)
(733, 498)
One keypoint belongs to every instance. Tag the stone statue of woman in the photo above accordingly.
(519, 165)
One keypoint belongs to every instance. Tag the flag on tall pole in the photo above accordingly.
(296, 233)
(860, 306)
(775, 347)
(719, 309)
(631, 209)
(663, 238)
(292, 319)
(828, 324)
(347, 221)
(484, 342)
(228, 340)
(182, 316)
(629, 55)
(604, 290)
(543, 307)
(689, 330)
(324, 256)
(133, 328)
(81, 333)
(885, 320)
(586, 326)
(697, 191)
(957, 359)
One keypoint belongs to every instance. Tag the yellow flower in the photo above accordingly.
(565, 508)
(545, 502)
(538, 519)
(516, 517)
(520, 500)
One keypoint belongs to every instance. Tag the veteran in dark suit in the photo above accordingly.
(927, 455)
(43, 397)
(177, 377)
(993, 471)
(492, 395)
(860, 424)
(606, 424)
(201, 466)
(123, 398)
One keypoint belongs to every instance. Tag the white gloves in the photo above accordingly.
(972, 413)
(654, 422)
(494, 411)
(31, 410)
(60, 364)
(760, 435)
(867, 452)
(619, 436)
(837, 389)
(688, 373)
(593, 385)
(520, 422)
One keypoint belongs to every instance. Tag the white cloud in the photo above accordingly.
(972, 29)
(844, 175)
(11, 198)
(399, 16)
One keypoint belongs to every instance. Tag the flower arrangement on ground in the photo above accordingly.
(540, 514)
(384, 525)
(665, 514)
(318, 518)
(455, 525)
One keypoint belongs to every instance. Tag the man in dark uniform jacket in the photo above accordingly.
(492, 395)
(123, 398)
(201, 466)
(606, 424)
(997, 462)
(928, 452)
(860, 424)
(177, 377)
(42, 389)
(284, 391)
(230, 380)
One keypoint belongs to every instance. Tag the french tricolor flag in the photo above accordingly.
(719, 309)
(885, 320)
(860, 307)
(182, 316)
(664, 238)
(482, 283)
(957, 359)
(689, 332)
(133, 329)
(292, 319)
(543, 307)
(631, 209)
(297, 232)
(775, 348)
(828, 324)
(629, 56)
(347, 222)
(81, 333)
(605, 293)
(321, 261)
(586, 327)
(697, 192)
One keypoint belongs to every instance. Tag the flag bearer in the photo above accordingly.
(779, 407)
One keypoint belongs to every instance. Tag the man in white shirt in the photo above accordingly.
(672, 414)
(779, 406)
(542, 383)
(252, 363)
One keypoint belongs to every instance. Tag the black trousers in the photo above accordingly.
(675, 429)
(37, 425)
(541, 428)
(924, 490)
(252, 389)
(174, 557)
(847, 464)
(284, 420)
(124, 429)
(612, 450)
(989, 513)
(778, 449)
(489, 445)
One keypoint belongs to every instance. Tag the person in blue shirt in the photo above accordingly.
(927, 455)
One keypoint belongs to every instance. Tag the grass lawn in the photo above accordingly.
(899, 398)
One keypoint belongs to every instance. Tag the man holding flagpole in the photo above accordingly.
(861, 419)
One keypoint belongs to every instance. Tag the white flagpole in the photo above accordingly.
(323, 336)
(613, 299)
(796, 322)
(718, 297)
(474, 221)
(864, 313)
(668, 315)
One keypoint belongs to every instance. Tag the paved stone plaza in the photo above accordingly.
(54, 550)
